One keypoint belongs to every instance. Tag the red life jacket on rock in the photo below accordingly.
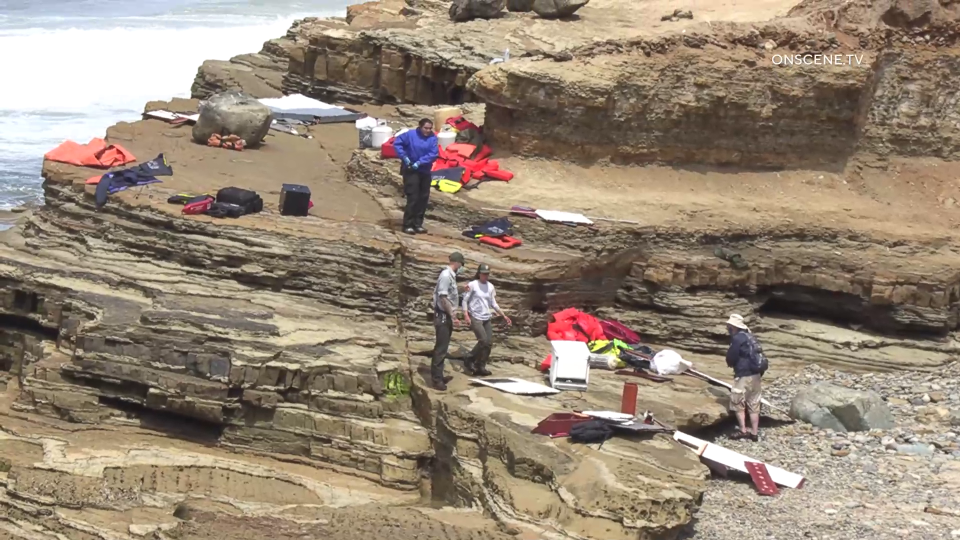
(572, 324)
(476, 168)
(503, 242)
(460, 123)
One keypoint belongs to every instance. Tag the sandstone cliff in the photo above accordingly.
(646, 91)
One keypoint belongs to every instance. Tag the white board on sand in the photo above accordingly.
(610, 415)
(295, 101)
(729, 458)
(168, 116)
(512, 385)
(563, 217)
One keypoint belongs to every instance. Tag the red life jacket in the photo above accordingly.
(574, 325)
(504, 242)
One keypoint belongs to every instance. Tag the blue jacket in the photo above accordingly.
(739, 355)
(420, 149)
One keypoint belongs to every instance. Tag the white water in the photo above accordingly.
(72, 69)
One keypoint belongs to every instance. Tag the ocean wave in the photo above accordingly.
(72, 76)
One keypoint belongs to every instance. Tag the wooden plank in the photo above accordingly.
(513, 385)
(734, 460)
(728, 386)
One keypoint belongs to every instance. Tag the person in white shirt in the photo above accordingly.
(479, 306)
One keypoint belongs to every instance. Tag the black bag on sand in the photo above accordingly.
(249, 201)
(222, 210)
(592, 431)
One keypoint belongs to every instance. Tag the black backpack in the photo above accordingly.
(591, 431)
(758, 360)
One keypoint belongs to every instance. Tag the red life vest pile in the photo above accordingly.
(572, 324)
(475, 161)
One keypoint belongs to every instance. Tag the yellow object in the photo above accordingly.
(440, 116)
(446, 186)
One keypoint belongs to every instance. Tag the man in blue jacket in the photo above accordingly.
(744, 357)
(417, 150)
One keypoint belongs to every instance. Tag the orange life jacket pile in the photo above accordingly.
(475, 161)
(96, 153)
(230, 142)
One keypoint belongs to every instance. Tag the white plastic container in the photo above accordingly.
(446, 137)
(380, 135)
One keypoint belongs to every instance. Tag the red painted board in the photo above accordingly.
(761, 478)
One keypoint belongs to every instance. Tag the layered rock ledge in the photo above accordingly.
(271, 336)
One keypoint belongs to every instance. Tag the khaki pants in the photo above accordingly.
(478, 357)
(746, 394)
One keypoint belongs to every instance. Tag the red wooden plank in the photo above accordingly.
(628, 399)
(761, 478)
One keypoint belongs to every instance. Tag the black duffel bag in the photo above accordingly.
(249, 201)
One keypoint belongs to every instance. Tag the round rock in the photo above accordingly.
(233, 113)
(841, 409)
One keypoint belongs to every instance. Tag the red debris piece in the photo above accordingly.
(761, 478)
(558, 424)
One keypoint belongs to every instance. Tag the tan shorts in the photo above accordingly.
(746, 394)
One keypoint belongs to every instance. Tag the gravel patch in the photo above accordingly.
(881, 484)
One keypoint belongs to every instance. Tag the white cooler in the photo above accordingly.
(570, 368)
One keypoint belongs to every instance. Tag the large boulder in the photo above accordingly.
(841, 409)
(557, 9)
(467, 10)
(233, 113)
(520, 6)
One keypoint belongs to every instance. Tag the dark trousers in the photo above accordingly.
(444, 326)
(478, 357)
(416, 188)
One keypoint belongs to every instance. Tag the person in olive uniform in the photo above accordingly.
(445, 301)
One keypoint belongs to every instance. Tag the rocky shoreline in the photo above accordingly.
(238, 366)
(897, 483)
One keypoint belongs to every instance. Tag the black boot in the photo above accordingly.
(440, 386)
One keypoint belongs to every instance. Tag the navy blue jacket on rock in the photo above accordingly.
(739, 355)
(419, 149)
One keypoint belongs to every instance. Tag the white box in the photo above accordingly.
(570, 368)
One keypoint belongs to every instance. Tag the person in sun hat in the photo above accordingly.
(479, 307)
(746, 358)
